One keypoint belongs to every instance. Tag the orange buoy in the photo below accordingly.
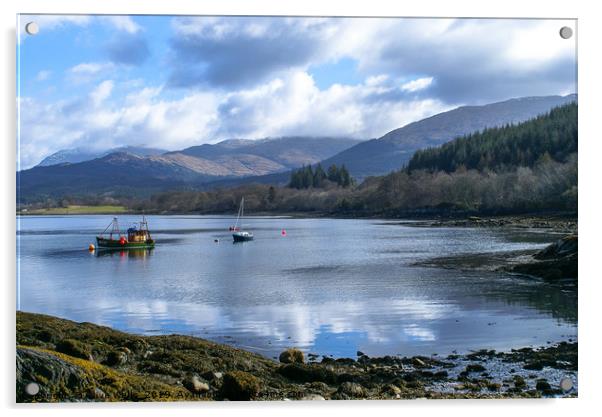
(122, 241)
(91, 248)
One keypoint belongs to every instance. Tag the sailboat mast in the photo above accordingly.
(242, 211)
(239, 215)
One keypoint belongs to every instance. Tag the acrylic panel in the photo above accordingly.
(295, 208)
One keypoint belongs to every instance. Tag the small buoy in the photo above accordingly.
(283, 232)
(215, 240)
(122, 241)
(91, 248)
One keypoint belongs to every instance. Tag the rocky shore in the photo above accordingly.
(557, 263)
(559, 224)
(60, 360)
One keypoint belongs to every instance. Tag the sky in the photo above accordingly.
(98, 82)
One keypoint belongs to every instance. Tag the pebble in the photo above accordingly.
(194, 384)
(418, 362)
(313, 397)
(352, 389)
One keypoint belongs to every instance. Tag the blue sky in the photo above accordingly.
(172, 82)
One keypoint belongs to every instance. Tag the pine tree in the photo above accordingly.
(319, 176)
(344, 177)
(333, 174)
(307, 179)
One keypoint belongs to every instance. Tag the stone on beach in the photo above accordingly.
(240, 386)
(195, 385)
(292, 356)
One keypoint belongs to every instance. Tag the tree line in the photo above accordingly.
(308, 177)
(547, 186)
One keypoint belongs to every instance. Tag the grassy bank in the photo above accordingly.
(76, 209)
(84, 362)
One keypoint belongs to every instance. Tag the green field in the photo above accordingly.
(77, 210)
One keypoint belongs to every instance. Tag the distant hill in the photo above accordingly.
(126, 173)
(278, 153)
(549, 136)
(119, 174)
(393, 150)
(73, 156)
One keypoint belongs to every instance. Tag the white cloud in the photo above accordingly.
(89, 71)
(90, 67)
(417, 85)
(101, 92)
(376, 80)
(124, 23)
(43, 75)
(295, 105)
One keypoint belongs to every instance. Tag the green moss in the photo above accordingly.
(240, 386)
(41, 379)
(307, 373)
(158, 368)
(74, 348)
(115, 358)
(413, 384)
(493, 386)
(117, 386)
(292, 356)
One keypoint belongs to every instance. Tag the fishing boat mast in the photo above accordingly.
(114, 225)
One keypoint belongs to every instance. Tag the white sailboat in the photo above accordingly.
(239, 235)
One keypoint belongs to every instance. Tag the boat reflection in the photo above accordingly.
(125, 253)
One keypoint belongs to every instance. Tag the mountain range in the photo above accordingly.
(138, 171)
(73, 156)
(141, 171)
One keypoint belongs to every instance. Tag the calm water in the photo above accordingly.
(329, 286)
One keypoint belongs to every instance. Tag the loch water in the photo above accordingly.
(327, 286)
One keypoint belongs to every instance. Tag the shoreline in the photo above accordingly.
(555, 264)
(557, 221)
(85, 362)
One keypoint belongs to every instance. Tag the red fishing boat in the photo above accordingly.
(136, 237)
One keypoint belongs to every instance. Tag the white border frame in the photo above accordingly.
(590, 71)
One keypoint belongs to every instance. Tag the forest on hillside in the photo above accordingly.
(550, 136)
